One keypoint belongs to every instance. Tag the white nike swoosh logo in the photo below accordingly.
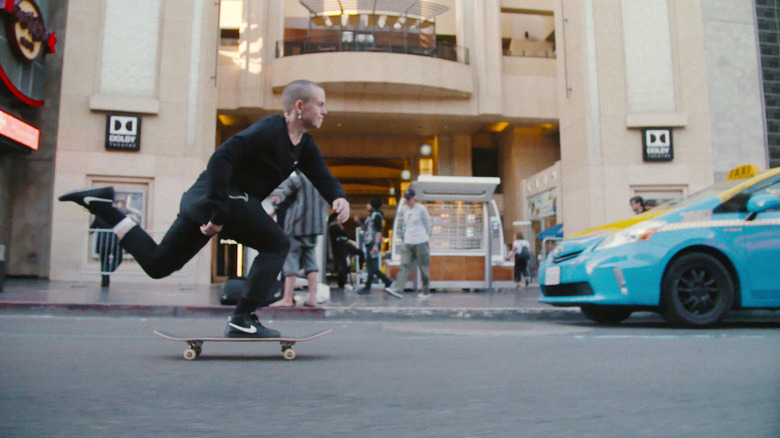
(243, 197)
(88, 199)
(251, 329)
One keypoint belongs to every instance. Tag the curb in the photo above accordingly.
(561, 314)
(350, 313)
(494, 314)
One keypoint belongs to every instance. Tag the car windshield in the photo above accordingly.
(694, 198)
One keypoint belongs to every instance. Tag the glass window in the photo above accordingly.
(525, 33)
(738, 203)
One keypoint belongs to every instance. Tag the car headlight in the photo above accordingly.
(556, 251)
(636, 233)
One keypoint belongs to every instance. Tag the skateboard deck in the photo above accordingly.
(196, 343)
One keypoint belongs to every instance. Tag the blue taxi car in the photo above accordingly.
(691, 260)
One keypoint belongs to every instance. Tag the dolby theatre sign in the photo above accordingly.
(22, 45)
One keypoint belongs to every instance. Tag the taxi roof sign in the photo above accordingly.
(744, 172)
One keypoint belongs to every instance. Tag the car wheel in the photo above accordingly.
(697, 291)
(606, 314)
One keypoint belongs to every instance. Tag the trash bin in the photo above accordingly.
(2, 266)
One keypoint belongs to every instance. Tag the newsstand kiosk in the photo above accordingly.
(467, 239)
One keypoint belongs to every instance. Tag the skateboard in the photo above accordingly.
(196, 343)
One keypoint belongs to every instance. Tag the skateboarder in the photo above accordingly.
(226, 199)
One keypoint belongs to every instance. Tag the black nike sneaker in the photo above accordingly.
(85, 197)
(248, 326)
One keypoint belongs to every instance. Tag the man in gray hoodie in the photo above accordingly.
(415, 251)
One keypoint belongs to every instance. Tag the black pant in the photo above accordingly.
(247, 224)
(520, 265)
(372, 265)
(340, 254)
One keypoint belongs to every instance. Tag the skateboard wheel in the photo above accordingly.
(288, 354)
(190, 354)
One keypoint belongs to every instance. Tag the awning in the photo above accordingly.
(455, 188)
(554, 231)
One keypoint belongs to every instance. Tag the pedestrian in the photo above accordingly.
(637, 204)
(522, 253)
(342, 248)
(227, 199)
(414, 251)
(304, 220)
(372, 238)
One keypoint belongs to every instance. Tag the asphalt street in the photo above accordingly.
(107, 376)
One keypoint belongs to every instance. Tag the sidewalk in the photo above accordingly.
(56, 297)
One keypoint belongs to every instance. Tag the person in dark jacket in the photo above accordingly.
(638, 204)
(372, 241)
(342, 247)
(227, 197)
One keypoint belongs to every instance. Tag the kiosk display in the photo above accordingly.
(455, 227)
(466, 238)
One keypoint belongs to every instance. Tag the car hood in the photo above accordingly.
(625, 223)
(571, 247)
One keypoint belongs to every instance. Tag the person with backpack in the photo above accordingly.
(522, 252)
(372, 244)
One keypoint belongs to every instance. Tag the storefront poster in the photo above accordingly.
(543, 204)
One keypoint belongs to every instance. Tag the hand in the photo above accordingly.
(210, 229)
(341, 206)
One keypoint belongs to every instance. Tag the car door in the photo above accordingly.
(760, 241)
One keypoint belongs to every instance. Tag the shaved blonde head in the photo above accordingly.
(301, 89)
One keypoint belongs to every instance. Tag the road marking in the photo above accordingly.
(700, 336)
(72, 336)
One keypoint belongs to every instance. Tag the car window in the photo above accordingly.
(772, 189)
(738, 203)
(697, 197)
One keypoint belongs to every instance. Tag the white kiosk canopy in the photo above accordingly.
(455, 188)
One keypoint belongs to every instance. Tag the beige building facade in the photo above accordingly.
(552, 96)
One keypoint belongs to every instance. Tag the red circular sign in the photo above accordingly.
(28, 39)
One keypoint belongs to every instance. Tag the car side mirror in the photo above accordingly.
(762, 202)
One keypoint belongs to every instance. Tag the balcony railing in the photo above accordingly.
(531, 53)
(306, 45)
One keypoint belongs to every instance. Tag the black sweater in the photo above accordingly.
(254, 162)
